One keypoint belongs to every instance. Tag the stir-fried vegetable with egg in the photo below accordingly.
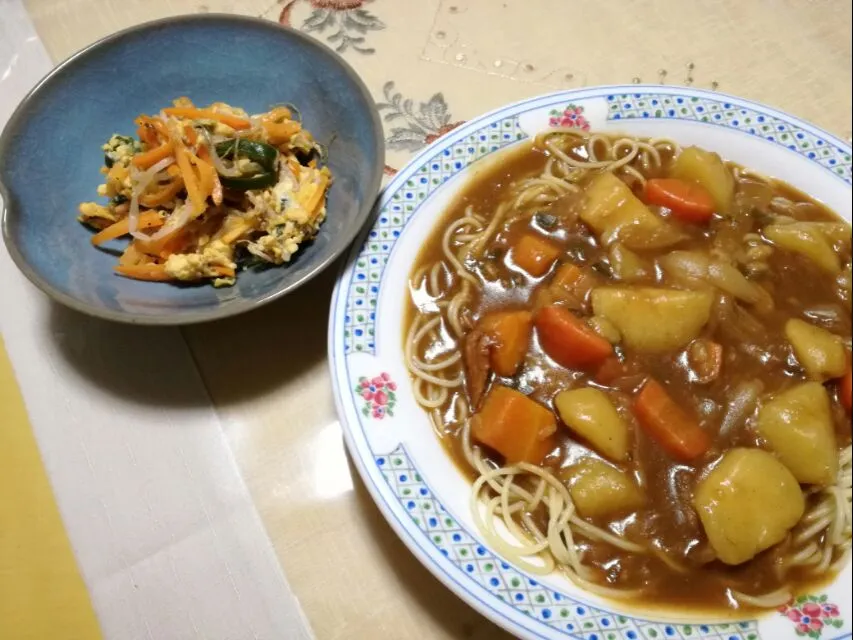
(201, 190)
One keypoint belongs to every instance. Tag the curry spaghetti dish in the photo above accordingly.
(201, 189)
(640, 356)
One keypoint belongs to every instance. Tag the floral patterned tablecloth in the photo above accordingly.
(431, 65)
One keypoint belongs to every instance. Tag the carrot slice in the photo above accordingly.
(668, 424)
(569, 341)
(846, 391)
(509, 333)
(610, 371)
(567, 276)
(520, 429)
(534, 254)
(687, 201)
(208, 114)
(147, 272)
(148, 220)
(148, 159)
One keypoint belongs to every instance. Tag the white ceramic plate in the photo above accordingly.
(413, 481)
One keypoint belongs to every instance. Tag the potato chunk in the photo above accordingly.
(708, 170)
(820, 352)
(600, 490)
(806, 239)
(610, 208)
(590, 414)
(627, 265)
(654, 320)
(797, 425)
(747, 503)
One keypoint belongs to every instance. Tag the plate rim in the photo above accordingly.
(337, 351)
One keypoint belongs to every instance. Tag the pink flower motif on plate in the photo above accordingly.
(812, 615)
(569, 118)
(379, 396)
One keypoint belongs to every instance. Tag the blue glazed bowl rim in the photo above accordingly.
(339, 245)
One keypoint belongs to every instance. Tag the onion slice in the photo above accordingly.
(218, 164)
(178, 220)
(139, 183)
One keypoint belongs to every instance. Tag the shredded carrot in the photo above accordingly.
(148, 220)
(155, 130)
(279, 132)
(148, 159)
(147, 272)
(295, 167)
(177, 242)
(133, 256)
(147, 132)
(232, 235)
(223, 272)
(173, 242)
(191, 135)
(207, 176)
(190, 179)
(278, 114)
(162, 196)
(208, 114)
(314, 201)
(216, 192)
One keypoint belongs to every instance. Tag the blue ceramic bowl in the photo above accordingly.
(50, 154)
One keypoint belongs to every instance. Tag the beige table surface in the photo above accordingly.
(453, 59)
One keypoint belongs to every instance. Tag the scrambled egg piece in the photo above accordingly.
(120, 149)
(196, 266)
(280, 245)
(96, 215)
(285, 219)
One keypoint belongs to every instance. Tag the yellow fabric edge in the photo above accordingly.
(42, 595)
